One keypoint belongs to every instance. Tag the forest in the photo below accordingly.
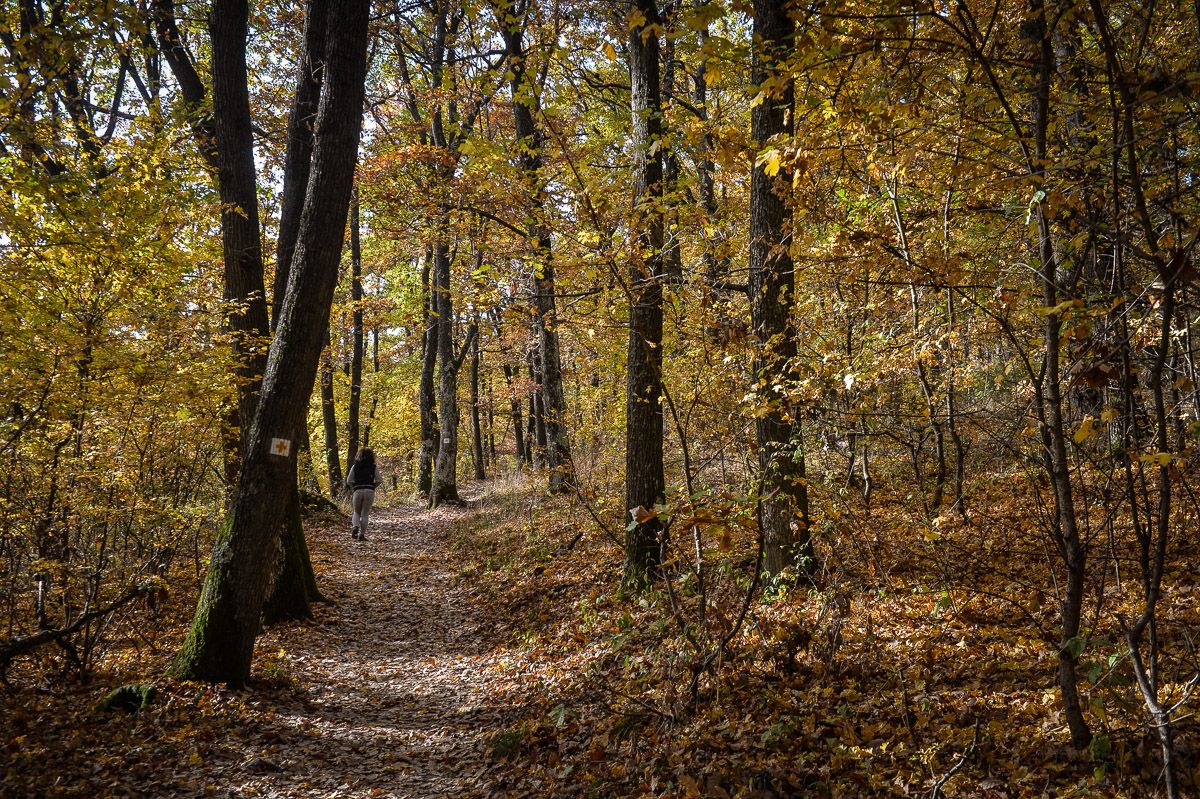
(771, 398)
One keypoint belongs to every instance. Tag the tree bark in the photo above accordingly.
(518, 422)
(237, 181)
(429, 351)
(366, 439)
(357, 341)
(716, 259)
(476, 425)
(333, 457)
(220, 644)
(1049, 397)
(526, 104)
(296, 584)
(645, 482)
(772, 282)
(537, 412)
(445, 469)
(672, 252)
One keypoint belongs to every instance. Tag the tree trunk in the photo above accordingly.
(358, 343)
(491, 420)
(532, 452)
(672, 252)
(333, 458)
(425, 398)
(1049, 397)
(445, 470)
(525, 106)
(220, 644)
(476, 426)
(772, 281)
(537, 412)
(296, 584)
(645, 482)
(237, 181)
(366, 440)
(297, 161)
(514, 404)
(716, 260)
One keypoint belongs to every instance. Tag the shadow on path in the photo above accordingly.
(389, 698)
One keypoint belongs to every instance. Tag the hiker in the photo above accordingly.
(361, 481)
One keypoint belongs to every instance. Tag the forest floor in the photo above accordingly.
(388, 692)
(488, 650)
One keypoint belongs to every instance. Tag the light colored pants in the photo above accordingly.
(363, 499)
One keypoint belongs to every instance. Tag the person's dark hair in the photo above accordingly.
(366, 456)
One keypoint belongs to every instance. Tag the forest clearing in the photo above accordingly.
(599, 398)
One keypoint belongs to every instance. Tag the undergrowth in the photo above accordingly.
(900, 669)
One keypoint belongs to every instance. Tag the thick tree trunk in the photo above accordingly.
(358, 347)
(237, 181)
(529, 147)
(220, 644)
(772, 282)
(425, 398)
(645, 482)
(297, 161)
(296, 584)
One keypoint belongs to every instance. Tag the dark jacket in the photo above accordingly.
(356, 481)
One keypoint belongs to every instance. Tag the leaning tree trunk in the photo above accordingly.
(220, 644)
(645, 482)
(772, 283)
(296, 584)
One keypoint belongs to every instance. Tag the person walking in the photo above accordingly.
(361, 481)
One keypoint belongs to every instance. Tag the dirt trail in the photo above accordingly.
(388, 699)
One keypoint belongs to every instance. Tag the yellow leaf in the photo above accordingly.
(1158, 458)
(1086, 430)
(712, 72)
(1062, 307)
(770, 161)
(610, 51)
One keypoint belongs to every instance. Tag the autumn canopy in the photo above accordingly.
(772, 398)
